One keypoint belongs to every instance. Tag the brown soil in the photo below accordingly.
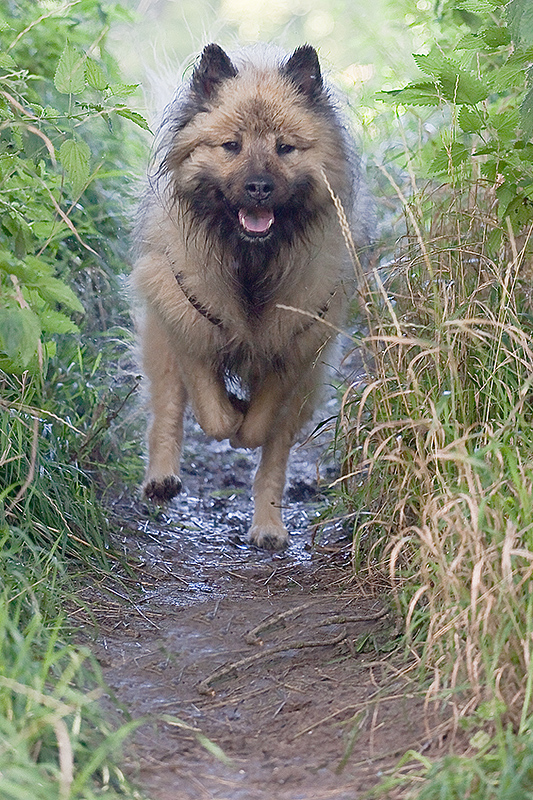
(260, 675)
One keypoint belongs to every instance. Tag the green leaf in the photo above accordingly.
(75, 156)
(496, 36)
(95, 75)
(56, 291)
(7, 62)
(520, 18)
(526, 113)
(11, 331)
(477, 6)
(54, 230)
(506, 124)
(507, 76)
(463, 87)
(123, 89)
(20, 333)
(520, 57)
(451, 82)
(8, 262)
(448, 158)
(470, 120)
(470, 41)
(138, 119)
(434, 63)
(36, 266)
(56, 322)
(70, 72)
(414, 94)
(489, 169)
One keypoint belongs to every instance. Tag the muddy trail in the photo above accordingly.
(260, 675)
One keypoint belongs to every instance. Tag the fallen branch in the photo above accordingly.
(204, 687)
(252, 637)
(340, 619)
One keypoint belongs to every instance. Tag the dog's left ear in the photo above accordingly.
(303, 69)
(213, 68)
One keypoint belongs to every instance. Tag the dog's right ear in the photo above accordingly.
(213, 68)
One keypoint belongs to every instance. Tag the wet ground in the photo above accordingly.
(260, 675)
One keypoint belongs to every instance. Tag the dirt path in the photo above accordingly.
(311, 708)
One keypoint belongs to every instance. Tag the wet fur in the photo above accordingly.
(247, 139)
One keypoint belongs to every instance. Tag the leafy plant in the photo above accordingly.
(45, 167)
(63, 158)
(479, 71)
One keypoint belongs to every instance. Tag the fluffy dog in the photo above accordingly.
(243, 272)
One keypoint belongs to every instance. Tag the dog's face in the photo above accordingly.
(248, 154)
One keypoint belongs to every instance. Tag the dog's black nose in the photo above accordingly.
(259, 188)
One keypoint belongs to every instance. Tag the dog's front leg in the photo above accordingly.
(267, 529)
(168, 398)
(275, 399)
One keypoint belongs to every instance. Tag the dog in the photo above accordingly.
(242, 270)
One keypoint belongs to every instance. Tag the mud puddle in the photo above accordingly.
(261, 675)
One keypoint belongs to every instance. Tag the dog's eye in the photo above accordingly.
(283, 149)
(232, 147)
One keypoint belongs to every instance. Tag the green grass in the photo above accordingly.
(55, 740)
(438, 475)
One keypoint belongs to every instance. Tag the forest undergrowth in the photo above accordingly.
(438, 441)
(67, 137)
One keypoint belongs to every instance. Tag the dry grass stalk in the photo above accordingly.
(439, 450)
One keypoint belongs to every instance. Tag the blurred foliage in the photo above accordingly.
(364, 47)
(478, 70)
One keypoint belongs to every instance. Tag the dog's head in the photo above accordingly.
(249, 144)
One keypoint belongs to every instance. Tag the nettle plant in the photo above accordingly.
(50, 110)
(480, 72)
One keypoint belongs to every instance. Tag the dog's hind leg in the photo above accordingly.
(215, 412)
(168, 397)
(264, 407)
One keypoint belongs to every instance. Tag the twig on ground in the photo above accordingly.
(340, 619)
(204, 687)
(252, 637)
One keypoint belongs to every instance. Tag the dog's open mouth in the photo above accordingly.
(257, 221)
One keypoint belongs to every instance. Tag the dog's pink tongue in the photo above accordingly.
(258, 221)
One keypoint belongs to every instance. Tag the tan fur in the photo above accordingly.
(182, 349)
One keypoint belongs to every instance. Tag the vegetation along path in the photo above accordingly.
(262, 675)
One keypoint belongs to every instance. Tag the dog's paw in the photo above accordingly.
(162, 490)
(238, 442)
(221, 423)
(269, 537)
(247, 437)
